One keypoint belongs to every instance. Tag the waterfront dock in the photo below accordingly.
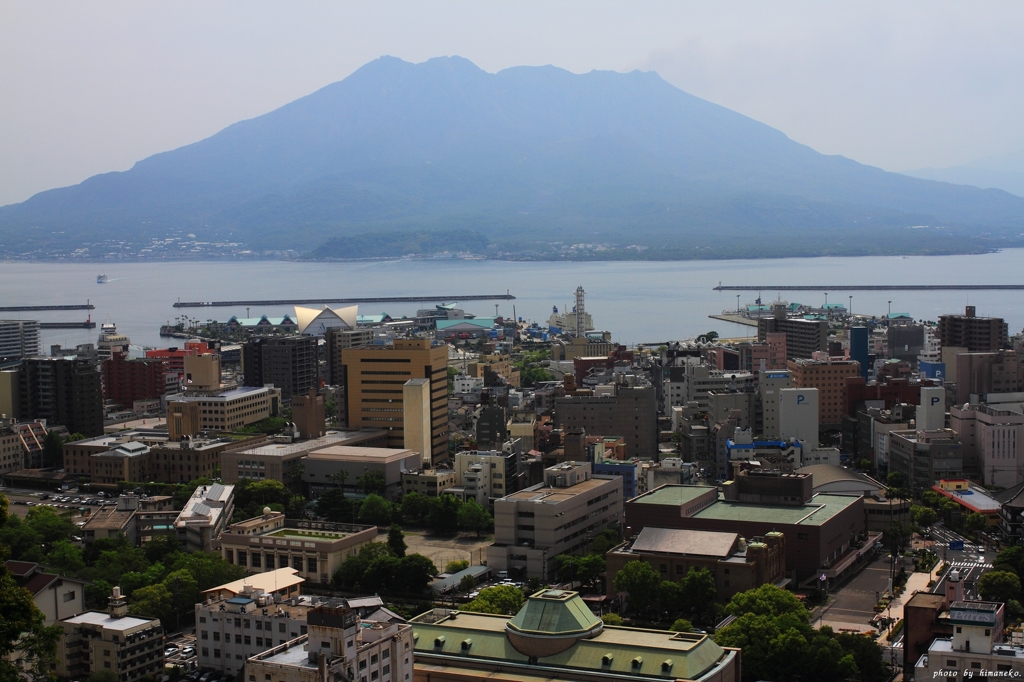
(344, 301)
(736, 319)
(88, 324)
(33, 308)
(873, 287)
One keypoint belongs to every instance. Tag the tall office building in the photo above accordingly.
(803, 337)
(337, 340)
(18, 339)
(290, 363)
(976, 334)
(375, 378)
(65, 391)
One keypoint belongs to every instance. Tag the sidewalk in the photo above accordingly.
(916, 582)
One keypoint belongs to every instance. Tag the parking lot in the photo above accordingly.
(22, 500)
(180, 650)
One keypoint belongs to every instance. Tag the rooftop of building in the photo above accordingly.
(673, 494)
(350, 453)
(830, 473)
(269, 582)
(304, 446)
(684, 542)
(819, 509)
(108, 518)
(975, 498)
(546, 495)
(108, 622)
(561, 618)
(206, 505)
(229, 394)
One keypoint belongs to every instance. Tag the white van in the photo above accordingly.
(502, 575)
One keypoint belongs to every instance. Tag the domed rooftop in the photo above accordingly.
(550, 622)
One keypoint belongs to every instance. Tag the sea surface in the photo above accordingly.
(635, 301)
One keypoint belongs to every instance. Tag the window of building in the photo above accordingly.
(216, 653)
(282, 561)
(238, 622)
(206, 652)
(238, 639)
(259, 641)
(373, 659)
(256, 559)
(106, 664)
(297, 563)
(216, 636)
(202, 635)
(302, 629)
(202, 619)
(281, 627)
(248, 639)
(246, 623)
(259, 625)
(801, 536)
(311, 565)
(362, 664)
(374, 675)
(69, 596)
(386, 654)
(950, 663)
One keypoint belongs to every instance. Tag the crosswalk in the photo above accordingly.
(970, 564)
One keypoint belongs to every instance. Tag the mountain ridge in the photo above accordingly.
(525, 154)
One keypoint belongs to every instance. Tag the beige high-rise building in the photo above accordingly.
(182, 420)
(375, 380)
(308, 414)
(202, 372)
(416, 409)
(9, 393)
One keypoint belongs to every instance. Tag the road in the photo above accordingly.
(971, 562)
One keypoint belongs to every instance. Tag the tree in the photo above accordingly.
(334, 506)
(930, 498)
(612, 619)
(396, 541)
(504, 599)
(184, 591)
(975, 522)
(22, 628)
(671, 597)
(372, 482)
(415, 508)
(767, 600)
(414, 573)
(456, 566)
(380, 575)
(23, 542)
(443, 517)
(208, 570)
(160, 547)
(895, 479)
(66, 559)
(467, 583)
(700, 591)
(1009, 559)
(681, 625)
(1001, 586)
(640, 581)
(375, 511)
(154, 601)
(923, 516)
(50, 525)
(53, 450)
(474, 517)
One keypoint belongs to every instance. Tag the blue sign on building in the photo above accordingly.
(932, 370)
(956, 545)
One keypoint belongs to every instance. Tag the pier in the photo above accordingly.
(32, 308)
(88, 324)
(343, 301)
(874, 287)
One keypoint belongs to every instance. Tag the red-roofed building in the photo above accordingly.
(57, 597)
(973, 499)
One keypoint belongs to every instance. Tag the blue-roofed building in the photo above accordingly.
(283, 323)
(477, 328)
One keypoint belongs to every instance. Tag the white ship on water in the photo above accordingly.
(101, 279)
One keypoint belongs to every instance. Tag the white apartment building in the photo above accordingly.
(19, 338)
(769, 384)
(992, 435)
(976, 649)
(561, 515)
(229, 410)
(699, 381)
(339, 645)
(232, 626)
(204, 516)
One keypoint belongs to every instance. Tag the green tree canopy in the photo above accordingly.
(699, 587)
(66, 559)
(640, 581)
(372, 482)
(505, 599)
(443, 517)
(50, 525)
(473, 517)
(456, 565)
(154, 601)
(375, 510)
(767, 600)
(612, 619)
(1001, 586)
(396, 541)
(1009, 559)
(415, 508)
(414, 573)
(467, 584)
(681, 625)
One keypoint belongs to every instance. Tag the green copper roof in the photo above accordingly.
(554, 612)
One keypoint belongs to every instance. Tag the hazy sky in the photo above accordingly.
(90, 87)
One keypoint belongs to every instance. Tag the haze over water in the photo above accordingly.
(636, 301)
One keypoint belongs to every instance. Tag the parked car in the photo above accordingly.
(188, 652)
(171, 650)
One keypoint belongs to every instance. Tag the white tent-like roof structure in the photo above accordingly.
(313, 321)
